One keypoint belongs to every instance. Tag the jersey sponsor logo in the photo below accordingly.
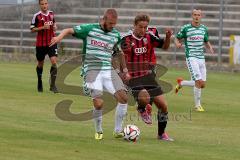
(196, 38)
(48, 23)
(139, 51)
(99, 43)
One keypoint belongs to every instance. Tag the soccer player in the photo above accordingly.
(195, 36)
(145, 111)
(44, 24)
(100, 43)
(137, 46)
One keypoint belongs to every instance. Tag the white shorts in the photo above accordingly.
(197, 68)
(95, 82)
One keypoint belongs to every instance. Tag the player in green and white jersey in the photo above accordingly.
(100, 43)
(195, 36)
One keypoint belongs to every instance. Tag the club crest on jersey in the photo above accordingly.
(145, 41)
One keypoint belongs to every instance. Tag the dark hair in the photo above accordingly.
(141, 17)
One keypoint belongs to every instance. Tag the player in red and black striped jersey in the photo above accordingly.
(138, 47)
(44, 24)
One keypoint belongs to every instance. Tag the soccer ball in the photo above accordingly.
(131, 132)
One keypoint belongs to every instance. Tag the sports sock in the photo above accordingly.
(187, 83)
(197, 96)
(53, 73)
(97, 117)
(39, 73)
(162, 122)
(121, 111)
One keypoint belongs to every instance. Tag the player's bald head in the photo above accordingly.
(110, 13)
(109, 20)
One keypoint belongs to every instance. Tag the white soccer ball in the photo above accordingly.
(131, 132)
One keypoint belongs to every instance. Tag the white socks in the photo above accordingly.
(197, 96)
(188, 83)
(196, 91)
(97, 117)
(121, 111)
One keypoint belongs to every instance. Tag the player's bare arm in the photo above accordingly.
(126, 75)
(54, 27)
(209, 46)
(167, 40)
(119, 64)
(37, 29)
(178, 43)
(64, 33)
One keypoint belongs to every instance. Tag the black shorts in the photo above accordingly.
(42, 51)
(147, 82)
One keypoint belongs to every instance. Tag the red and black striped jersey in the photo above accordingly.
(138, 52)
(44, 37)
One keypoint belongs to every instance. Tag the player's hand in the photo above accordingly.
(125, 77)
(54, 41)
(46, 26)
(168, 32)
(211, 50)
(54, 27)
(178, 44)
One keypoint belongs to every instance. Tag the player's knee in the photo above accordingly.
(143, 97)
(121, 96)
(123, 99)
(203, 85)
(40, 64)
(198, 84)
(53, 60)
(98, 103)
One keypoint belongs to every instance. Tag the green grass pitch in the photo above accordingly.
(30, 130)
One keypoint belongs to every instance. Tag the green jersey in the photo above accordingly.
(194, 38)
(98, 46)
